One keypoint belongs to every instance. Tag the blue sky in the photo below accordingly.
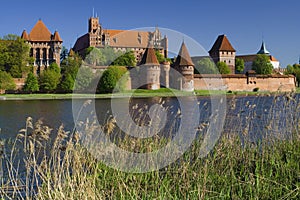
(244, 22)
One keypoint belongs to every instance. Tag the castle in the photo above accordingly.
(45, 47)
(120, 40)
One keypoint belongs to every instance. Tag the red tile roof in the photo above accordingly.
(40, 33)
(56, 37)
(222, 44)
(25, 35)
(128, 38)
(183, 58)
(149, 57)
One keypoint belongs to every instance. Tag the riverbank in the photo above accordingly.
(140, 93)
(268, 170)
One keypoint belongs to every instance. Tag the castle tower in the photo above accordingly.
(45, 48)
(150, 70)
(165, 74)
(222, 51)
(185, 67)
(95, 32)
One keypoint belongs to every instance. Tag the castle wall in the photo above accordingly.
(270, 83)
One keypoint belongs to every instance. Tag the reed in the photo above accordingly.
(237, 167)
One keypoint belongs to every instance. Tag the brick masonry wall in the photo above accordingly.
(242, 83)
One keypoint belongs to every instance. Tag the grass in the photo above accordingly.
(163, 92)
(234, 169)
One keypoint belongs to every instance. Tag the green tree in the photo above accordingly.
(206, 66)
(6, 81)
(262, 64)
(112, 79)
(14, 56)
(67, 84)
(70, 65)
(31, 83)
(110, 55)
(223, 68)
(95, 57)
(126, 59)
(239, 65)
(50, 78)
(83, 79)
(294, 70)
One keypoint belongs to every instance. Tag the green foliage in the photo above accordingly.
(112, 79)
(95, 57)
(294, 70)
(206, 66)
(70, 65)
(50, 78)
(239, 65)
(14, 55)
(262, 64)
(159, 56)
(223, 68)
(31, 83)
(126, 59)
(83, 79)
(6, 81)
(67, 84)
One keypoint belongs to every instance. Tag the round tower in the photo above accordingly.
(150, 70)
(165, 74)
(185, 67)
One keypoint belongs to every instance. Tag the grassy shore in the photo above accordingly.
(267, 170)
(135, 93)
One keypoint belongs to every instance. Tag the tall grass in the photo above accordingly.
(237, 168)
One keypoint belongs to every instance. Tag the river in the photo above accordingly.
(255, 116)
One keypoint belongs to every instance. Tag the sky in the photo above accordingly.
(245, 23)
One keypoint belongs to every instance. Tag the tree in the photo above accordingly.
(95, 57)
(14, 56)
(83, 79)
(223, 68)
(206, 66)
(31, 83)
(294, 70)
(239, 65)
(6, 81)
(262, 64)
(112, 79)
(50, 78)
(67, 83)
(126, 59)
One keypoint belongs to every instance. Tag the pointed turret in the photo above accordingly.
(25, 36)
(223, 51)
(149, 57)
(263, 49)
(184, 58)
(185, 67)
(149, 72)
(56, 37)
(222, 44)
(40, 33)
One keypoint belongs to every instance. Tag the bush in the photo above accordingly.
(6, 81)
(31, 83)
(112, 80)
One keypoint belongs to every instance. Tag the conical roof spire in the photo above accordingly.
(24, 35)
(40, 32)
(183, 58)
(263, 49)
(149, 57)
(222, 44)
(56, 37)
